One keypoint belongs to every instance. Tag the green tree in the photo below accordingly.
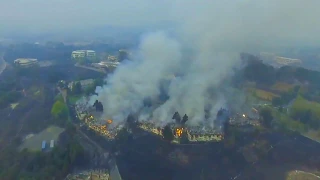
(122, 55)
(60, 110)
(167, 133)
(77, 88)
(266, 115)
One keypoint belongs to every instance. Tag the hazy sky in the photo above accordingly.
(290, 19)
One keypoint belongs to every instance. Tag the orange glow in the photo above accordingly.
(109, 121)
(179, 131)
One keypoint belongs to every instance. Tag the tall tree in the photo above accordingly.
(77, 88)
(167, 133)
(266, 115)
(177, 117)
(184, 119)
(60, 110)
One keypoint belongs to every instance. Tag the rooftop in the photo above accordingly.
(25, 60)
(82, 51)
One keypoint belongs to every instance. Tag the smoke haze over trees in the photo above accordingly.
(213, 36)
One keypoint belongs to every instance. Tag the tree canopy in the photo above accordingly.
(60, 112)
(266, 115)
(77, 88)
(167, 133)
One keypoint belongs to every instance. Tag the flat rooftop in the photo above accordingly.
(25, 60)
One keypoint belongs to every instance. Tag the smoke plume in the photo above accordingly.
(201, 57)
(158, 59)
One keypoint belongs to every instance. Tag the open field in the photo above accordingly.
(33, 143)
(282, 87)
(313, 134)
(284, 120)
(299, 175)
(301, 104)
(262, 94)
(286, 172)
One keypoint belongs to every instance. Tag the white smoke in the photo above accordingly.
(213, 36)
(131, 83)
(157, 58)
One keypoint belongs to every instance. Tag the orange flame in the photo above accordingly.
(109, 121)
(179, 131)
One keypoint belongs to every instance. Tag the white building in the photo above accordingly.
(78, 54)
(90, 53)
(83, 54)
(106, 64)
(25, 62)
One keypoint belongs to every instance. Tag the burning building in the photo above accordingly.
(182, 133)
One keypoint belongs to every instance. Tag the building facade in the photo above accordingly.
(90, 54)
(83, 54)
(25, 62)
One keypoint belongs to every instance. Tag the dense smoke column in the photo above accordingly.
(136, 83)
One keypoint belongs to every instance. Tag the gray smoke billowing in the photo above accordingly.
(158, 58)
(211, 35)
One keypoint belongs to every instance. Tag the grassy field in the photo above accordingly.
(285, 171)
(312, 134)
(33, 143)
(283, 87)
(302, 104)
(301, 175)
(262, 94)
(284, 120)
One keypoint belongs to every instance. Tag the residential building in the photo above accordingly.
(25, 62)
(83, 54)
(90, 54)
(78, 54)
(112, 64)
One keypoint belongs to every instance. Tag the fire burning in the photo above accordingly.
(179, 132)
(109, 121)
